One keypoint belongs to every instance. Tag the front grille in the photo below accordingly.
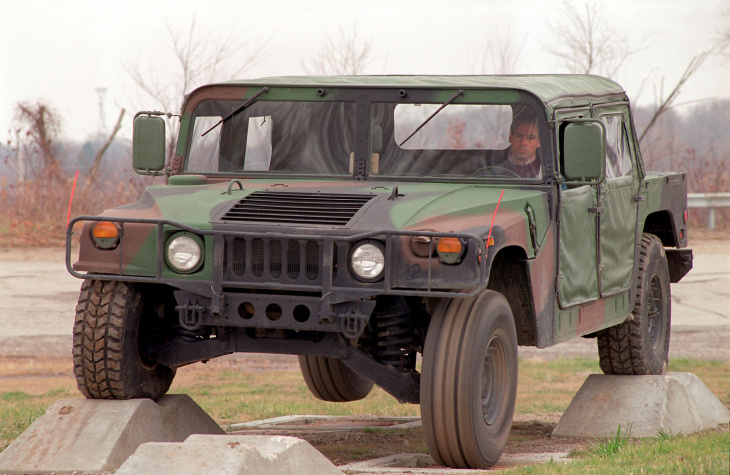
(274, 259)
(296, 208)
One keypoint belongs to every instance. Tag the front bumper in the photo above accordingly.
(287, 281)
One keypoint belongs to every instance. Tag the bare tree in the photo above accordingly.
(94, 170)
(502, 54)
(587, 45)
(345, 55)
(41, 125)
(198, 58)
(665, 103)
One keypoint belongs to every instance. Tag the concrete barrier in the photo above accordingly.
(674, 402)
(99, 435)
(229, 455)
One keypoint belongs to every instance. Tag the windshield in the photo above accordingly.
(287, 137)
(407, 140)
(461, 140)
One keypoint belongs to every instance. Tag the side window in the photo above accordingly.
(618, 154)
(205, 150)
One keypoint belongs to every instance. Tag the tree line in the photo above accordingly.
(37, 164)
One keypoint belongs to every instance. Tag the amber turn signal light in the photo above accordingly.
(105, 234)
(449, 245)
(450, 250)
(105, 229)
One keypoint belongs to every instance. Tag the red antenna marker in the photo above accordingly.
(489, 237)
(73, 189)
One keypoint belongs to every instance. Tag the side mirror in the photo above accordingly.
(148, 144)
(584, 151)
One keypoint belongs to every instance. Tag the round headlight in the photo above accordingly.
(367, 261)
(184, 253)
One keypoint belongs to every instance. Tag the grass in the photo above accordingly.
(231, 397)
(703, 453)
(612, 445)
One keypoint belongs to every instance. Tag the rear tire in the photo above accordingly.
(112, 325)
(469, 381)
(330, 380)
(640, 345)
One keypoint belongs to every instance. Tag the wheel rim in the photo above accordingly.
(493, 380)
(655, 312)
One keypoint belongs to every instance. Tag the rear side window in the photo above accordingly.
(618, 155)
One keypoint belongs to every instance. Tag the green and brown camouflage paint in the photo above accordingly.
(657, 203)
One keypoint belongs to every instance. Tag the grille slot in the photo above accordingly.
(239, 257)
(297, 208)
(275, 259)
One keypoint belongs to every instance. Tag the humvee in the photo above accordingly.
(358, 222)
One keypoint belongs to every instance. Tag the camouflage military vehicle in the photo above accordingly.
(359, 221)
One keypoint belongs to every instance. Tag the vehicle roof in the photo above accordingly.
(553, 89)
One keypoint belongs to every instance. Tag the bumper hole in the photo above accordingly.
(246, 310)
(273, 312)
(301, 313)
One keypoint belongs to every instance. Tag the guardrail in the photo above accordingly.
(710, 201)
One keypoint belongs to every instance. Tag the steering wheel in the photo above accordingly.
(489, 170)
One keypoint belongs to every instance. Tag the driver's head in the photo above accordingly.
(524, 136)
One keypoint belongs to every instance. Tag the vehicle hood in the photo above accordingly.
(441, 207)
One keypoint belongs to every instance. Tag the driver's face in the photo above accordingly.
(524, 140)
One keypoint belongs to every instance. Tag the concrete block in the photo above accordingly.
(229, 455)
(675, 402)
(95, 435)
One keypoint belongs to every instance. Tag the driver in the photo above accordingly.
(524, 138)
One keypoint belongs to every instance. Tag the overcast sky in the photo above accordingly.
(61, 52)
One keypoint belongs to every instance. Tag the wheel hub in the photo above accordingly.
(493, 379)
(655, 314)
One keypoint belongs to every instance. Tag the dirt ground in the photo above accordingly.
(530, 433)
(42, 363)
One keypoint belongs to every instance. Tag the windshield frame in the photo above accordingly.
(364, 98)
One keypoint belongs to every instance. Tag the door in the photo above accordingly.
(617, 233)
(598, 222)
(578, 238)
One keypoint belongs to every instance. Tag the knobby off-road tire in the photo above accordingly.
(469, 381)
(106, 344)
(330, 380)
(640, 345)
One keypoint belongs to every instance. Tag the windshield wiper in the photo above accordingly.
(238, 109)
(449, 101)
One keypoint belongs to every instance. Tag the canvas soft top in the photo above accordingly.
(555, 90)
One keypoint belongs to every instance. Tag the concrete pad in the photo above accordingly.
(319, 423)
(229, 455)
(423, 464)
(95, 435)
(675, 402)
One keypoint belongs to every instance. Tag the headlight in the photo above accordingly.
(184, 252)
(367, 261)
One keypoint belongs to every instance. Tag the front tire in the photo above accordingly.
(469, 381)
(640, 345)
(112, 322)
(330, 380)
